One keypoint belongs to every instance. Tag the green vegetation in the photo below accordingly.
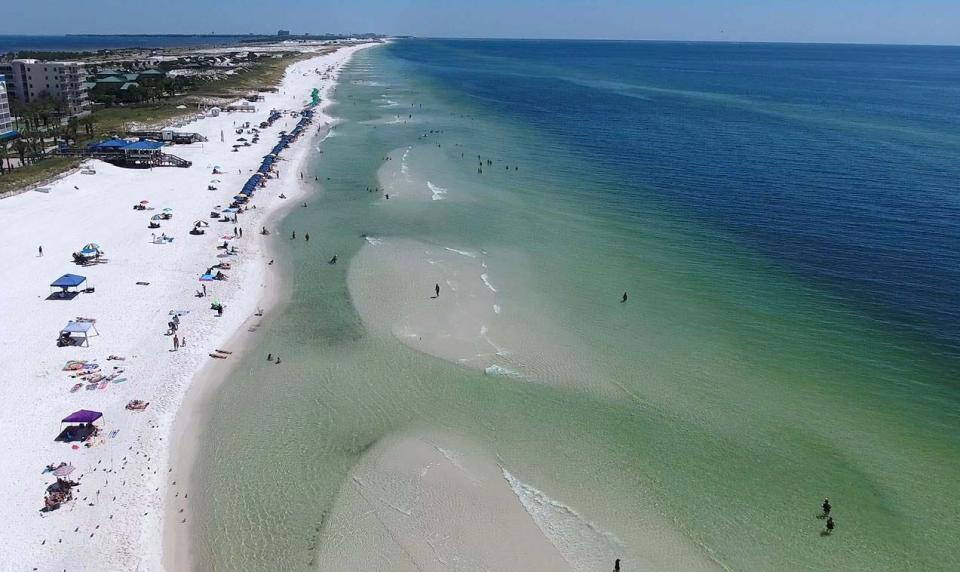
(265, 71)
(42, 127)
(35, 173)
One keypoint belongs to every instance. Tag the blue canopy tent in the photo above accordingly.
(143, 145)
(72, 327)
(66, 282)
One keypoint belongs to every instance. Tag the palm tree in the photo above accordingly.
(21, 147)
(70, 131)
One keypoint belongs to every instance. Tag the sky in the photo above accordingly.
(855, 21)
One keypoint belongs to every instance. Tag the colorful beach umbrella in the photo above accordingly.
(156, 217)
(91, 246)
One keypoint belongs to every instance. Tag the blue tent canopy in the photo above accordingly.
(68, 281)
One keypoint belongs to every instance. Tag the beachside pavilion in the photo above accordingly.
(140, 153)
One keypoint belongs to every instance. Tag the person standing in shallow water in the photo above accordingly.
(624, 299)
(826, 507)
(830, 525)
(436, 288)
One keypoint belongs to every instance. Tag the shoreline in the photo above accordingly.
(118, 516)
(179, 553)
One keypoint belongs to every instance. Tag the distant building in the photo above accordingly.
(6, 122)
(283, 33)
(32, 80)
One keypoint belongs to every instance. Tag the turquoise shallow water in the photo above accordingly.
(783, 220)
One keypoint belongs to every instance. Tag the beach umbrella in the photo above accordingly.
(201, 223)
(144, 202)
(206, 278)
(156, 217)
(239, 198)
(241, 139)
(64, 470)
(229, 210)
(168, 210)
(214, 180)
(91, 246)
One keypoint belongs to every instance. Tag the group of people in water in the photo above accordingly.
(306, 237)
(827, 507)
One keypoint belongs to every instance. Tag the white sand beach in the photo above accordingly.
(116, 518)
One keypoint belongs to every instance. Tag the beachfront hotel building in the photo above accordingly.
(32, 80)
(6, 122)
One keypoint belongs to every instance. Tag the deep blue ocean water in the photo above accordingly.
(839, 162)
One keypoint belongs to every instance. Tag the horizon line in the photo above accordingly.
(505, 38)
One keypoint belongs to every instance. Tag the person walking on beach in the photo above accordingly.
(333, 260)
(234, 231)
(624, 299)
(830, 525)
(241, 232)
(183, 341)
(826, 508)
(176, 342)
(616, 565)
(204, 290)
(436, 288)
(293, 235)
(41, 251)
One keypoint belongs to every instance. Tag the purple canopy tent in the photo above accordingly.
(82, 416)
(81, 426)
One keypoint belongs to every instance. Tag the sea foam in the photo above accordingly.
(501, 371)
(460, 252)
(439, 193)
(578, 539)
(487, 282)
